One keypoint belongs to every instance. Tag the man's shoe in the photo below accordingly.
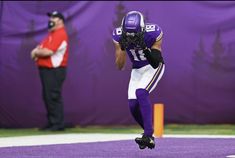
(145, 141)
(56, 128)
(45, 128)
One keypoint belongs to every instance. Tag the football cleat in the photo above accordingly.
(145, 141)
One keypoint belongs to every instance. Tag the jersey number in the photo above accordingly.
(150, 28)
(118, 31)
(138, 55)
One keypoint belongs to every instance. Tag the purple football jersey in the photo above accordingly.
(152, 34)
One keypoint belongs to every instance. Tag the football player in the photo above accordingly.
(142, 43)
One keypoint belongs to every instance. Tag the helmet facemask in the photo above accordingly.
(134, 39)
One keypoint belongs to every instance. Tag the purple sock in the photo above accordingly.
(146, 110)
(135, 111)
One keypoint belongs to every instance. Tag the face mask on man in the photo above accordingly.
(51, 24)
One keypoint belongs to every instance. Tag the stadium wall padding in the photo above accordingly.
(198, 48)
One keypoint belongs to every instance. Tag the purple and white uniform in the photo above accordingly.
(143, 76)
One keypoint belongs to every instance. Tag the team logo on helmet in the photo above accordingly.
(133, 22)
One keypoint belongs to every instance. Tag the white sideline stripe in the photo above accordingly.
(82, 138)
(230, 156)
(61, 139)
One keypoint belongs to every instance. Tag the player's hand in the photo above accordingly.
(142, 43)
(146, 51)
(123, 42)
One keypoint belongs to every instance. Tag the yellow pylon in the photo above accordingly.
(158, 119)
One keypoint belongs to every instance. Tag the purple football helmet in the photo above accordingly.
(133, 22)
(133, 29)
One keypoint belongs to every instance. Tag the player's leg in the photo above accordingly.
(146, 110)
(149, 81)
(135, 111)
(132, 100)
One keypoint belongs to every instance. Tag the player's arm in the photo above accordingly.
(157, 45)
(154, 55)
(120, 56)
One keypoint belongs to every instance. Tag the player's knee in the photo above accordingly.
(141, 93)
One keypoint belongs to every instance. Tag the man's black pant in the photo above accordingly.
(52, 81)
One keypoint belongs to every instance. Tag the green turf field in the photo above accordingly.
(169, 129)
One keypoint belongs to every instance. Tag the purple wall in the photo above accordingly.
(199, 51)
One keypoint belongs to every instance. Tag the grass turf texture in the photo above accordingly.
(169, 129)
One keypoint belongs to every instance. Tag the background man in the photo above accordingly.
(51, 57)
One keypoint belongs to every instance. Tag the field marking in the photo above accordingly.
(62, 139)
(83, 138)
